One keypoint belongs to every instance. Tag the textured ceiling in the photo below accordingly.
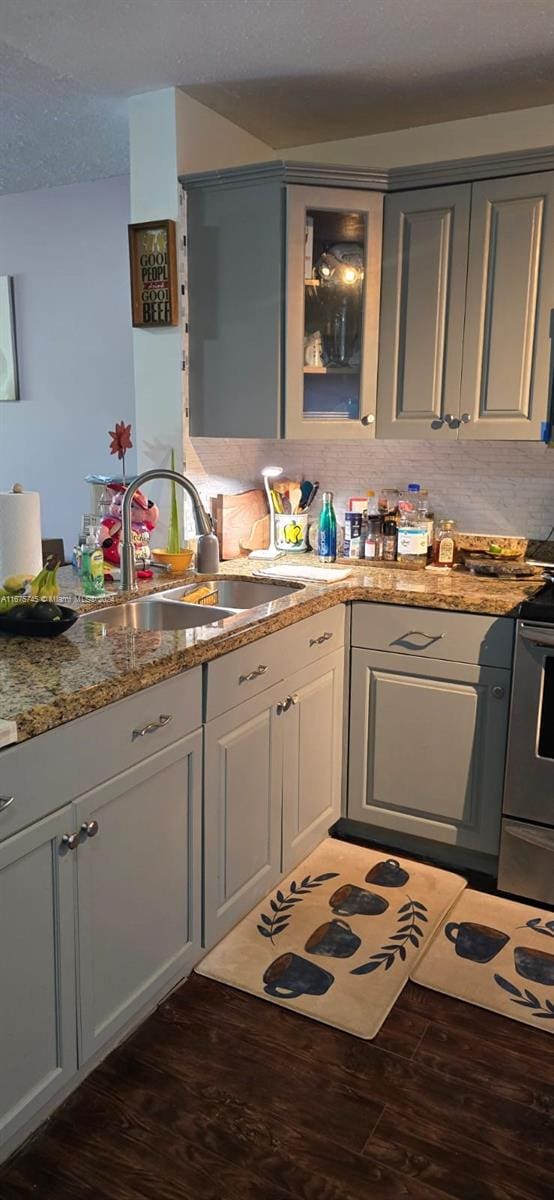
(289, 71)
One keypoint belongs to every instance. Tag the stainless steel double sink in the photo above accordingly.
(171, 610)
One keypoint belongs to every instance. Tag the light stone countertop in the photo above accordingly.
(45, 683)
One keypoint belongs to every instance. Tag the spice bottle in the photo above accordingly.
(389, 539)
(444, 547)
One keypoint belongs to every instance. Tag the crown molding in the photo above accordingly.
(395, 179)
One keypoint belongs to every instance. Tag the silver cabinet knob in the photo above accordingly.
(70, 841)
(90, 828)
(465, 418)
(281, 707)
(294, 698)
(498, 692)
(5, 802)
(369, 419)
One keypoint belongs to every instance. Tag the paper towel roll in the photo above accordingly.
(20, 534)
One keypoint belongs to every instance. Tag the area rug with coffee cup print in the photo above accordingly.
(340, 936)
(497, 954)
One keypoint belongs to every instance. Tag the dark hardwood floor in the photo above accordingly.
(220, 1096)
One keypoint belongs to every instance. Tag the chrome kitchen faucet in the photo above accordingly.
(208, 551)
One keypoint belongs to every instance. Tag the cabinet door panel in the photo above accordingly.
(422, 309)
(235, 302)
(242, 810)
(38, 1044)
(312, 756)
(427, 747)
(510, 293)
(336, 397)
(137, 887)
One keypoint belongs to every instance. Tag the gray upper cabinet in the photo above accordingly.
(422, 312)
(333, 281)
(235, 260)
(284, 286)
(510, 295)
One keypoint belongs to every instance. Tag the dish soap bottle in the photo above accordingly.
(92, 568)
(327, 532)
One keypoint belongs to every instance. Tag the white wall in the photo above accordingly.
(495, 133)
(67, 249)
(206, 141)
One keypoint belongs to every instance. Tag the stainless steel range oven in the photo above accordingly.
(527, 844)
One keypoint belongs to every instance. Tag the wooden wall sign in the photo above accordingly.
(154, 284)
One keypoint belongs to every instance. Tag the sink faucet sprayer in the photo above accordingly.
(207, 559)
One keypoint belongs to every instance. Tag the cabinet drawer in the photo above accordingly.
(430, 633)
(309, 640)
(49, 770)
(243, 673)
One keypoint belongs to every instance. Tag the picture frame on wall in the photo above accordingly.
(154, 274)
(9, 383)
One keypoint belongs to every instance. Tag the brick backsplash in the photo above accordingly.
(492, 487)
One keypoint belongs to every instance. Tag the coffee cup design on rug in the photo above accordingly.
(290, 976)
(335, 939)
(535, 965)
(388, 874)
(479, 943)
(352, 901)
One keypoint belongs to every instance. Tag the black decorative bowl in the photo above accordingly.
(26, 627)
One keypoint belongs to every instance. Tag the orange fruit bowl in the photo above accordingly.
(176, 562)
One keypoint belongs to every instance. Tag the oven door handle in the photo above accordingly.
(538, 637)
(534, 837)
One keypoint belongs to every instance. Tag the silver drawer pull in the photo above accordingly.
(405, 639)
(5, 802)
(70, 840)
(152, 727)
(261, 670)
(90, 828)
(325, 637)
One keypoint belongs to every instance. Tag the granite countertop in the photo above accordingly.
(45, 683)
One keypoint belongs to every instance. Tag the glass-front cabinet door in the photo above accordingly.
(333, 279)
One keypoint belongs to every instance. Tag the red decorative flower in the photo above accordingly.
(121, 439)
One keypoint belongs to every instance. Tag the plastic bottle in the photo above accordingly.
(413, 528)
(92, 568)
(327, 531)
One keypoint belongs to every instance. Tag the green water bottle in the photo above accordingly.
(327, 532)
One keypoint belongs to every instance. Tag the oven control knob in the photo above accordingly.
(498, 693)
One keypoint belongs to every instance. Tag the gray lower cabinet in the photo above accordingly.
(272, 787)
(243, 782)
(138, 887)
(427, 747)
(312, 756)
(38, 1048)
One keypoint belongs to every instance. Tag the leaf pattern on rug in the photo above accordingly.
(411, 917)
(282, 906)
(536, 924)
(527, 999)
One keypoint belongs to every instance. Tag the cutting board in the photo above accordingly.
(241, 523)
